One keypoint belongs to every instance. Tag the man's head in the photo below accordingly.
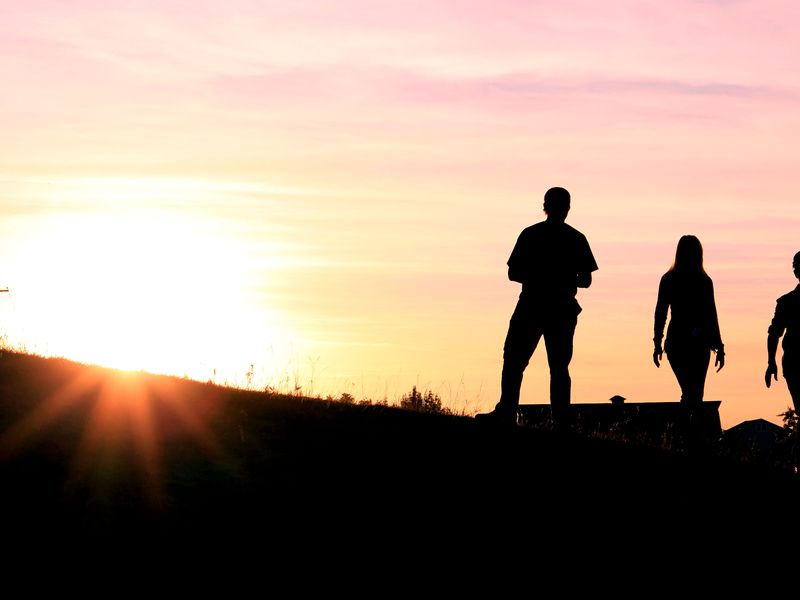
(796, 265)
(556, 203)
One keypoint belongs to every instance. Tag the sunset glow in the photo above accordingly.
(323, 196)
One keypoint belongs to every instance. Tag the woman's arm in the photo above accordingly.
(660, 319)
(716, 337)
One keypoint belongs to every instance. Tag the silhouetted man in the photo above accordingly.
(786, 319)
(551, 260)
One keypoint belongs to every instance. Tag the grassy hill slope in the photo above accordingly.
(114, 458)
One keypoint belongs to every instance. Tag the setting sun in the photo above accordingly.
(116, 274)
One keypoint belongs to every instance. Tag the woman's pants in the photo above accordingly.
(689, 362)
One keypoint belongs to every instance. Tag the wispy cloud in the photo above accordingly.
(689, 88)
(331, 82)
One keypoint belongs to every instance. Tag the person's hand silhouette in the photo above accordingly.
(658, 352)
(772, 372)
(719, 362)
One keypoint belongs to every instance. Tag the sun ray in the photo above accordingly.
(146, 442)
(26, 431)
(119, 430)
(194, 418)
(126, 425)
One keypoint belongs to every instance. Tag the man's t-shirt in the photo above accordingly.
(546, 260)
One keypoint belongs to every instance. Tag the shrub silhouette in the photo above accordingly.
(790, 444)
(427, 402)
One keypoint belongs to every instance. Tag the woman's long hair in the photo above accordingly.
(688, 256)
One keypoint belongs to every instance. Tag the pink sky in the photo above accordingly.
(368, 165)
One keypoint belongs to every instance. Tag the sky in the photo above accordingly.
(322, 196)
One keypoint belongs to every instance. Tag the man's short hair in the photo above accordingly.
(796, 260)
(556, 200)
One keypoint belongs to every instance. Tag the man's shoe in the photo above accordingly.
(497, 417)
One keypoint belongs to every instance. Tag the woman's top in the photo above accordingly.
(693, 311)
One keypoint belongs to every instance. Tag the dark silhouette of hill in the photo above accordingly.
(112, 459)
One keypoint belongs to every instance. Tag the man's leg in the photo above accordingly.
(791, 373)
(524, 333)
(558, 339)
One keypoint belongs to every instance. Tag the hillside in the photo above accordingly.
(116, 458)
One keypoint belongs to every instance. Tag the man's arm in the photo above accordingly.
(772, 366)
(776, 329)
(518, 261)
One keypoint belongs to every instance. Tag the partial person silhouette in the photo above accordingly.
(687, 292)
(786, 320)
(551, 260)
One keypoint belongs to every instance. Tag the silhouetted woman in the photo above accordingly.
(693, 332)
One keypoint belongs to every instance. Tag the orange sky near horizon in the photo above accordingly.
(324, 195)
